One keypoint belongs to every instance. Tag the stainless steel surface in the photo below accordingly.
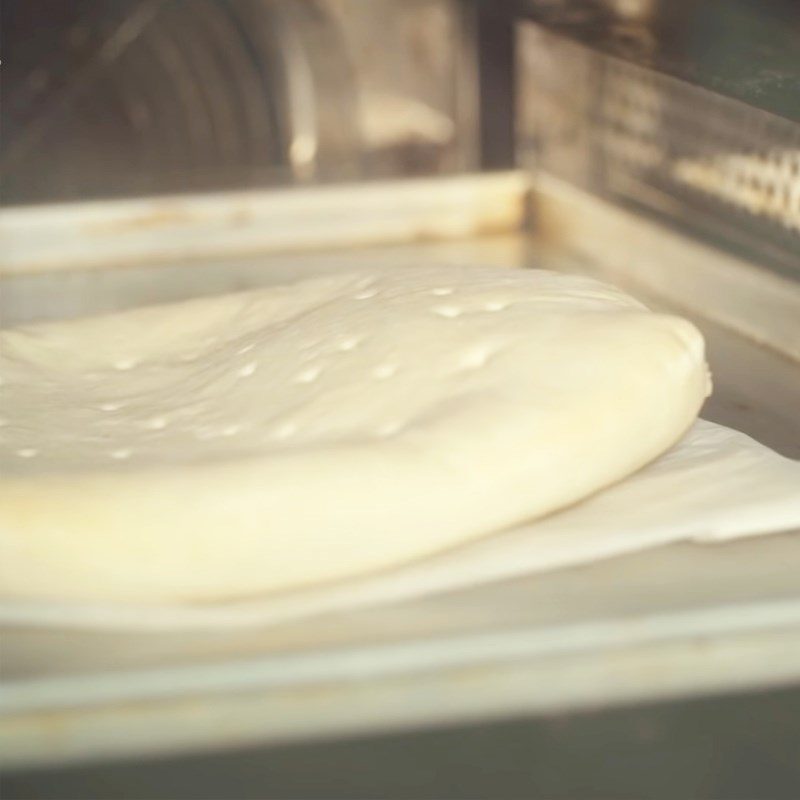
(675, 621)
(105, 235)
(712, 163)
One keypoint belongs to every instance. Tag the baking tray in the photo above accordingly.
(680, 620)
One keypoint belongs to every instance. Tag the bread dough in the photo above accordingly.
(272, 439)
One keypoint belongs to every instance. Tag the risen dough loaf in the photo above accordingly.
(266, 440)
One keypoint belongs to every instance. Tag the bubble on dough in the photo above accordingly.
(349, 344)
(308, 375)
(284, 431)
(475, 358)
(390, 429)
(383, 371)
(447, 311)
(155, 423)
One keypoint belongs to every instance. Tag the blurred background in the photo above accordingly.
(110, 98)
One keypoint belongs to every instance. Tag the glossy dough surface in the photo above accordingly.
(272, 439)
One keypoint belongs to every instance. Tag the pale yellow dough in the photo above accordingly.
(272, 439)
